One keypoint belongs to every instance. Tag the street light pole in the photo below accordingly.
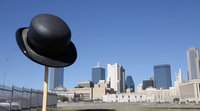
(5, 71)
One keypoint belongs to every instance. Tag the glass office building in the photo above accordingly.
(147, 83)
(56, 77)
(162, 76)
(98, 73)
(130, 83)
(193, 63)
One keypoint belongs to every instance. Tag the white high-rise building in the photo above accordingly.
(193, 63)
(179, 79)
(139, 87)
(116, 77)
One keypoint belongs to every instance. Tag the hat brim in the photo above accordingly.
(64, 60)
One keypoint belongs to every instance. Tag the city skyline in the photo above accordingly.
(138, 35)
(146, 83)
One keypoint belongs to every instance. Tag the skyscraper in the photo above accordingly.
(162, 76)
(178, 79)
(98, 73)
(147, 83)
(116, 77)
(139, 87)
(130, 83)
(56, 77)
(152, 78)
(193, 63)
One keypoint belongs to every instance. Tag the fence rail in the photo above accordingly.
(27, 98)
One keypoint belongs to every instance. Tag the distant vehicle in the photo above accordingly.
(183, 102)
(7, 105)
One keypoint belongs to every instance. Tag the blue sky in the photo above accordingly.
(136, 34)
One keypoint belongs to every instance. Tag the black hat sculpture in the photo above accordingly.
(47, 41)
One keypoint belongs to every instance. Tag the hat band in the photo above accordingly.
(44, 52)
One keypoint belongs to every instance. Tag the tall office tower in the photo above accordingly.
(116, 77)
(98, 73)
(56, 77)
(193, 63)
(147, 83)
(178, 79)
(152, 78)
(139, 87)
(162, 76)
(130, 83)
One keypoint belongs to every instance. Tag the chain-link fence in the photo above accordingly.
(15, 98)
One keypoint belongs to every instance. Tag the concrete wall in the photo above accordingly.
(86, 92)
(98, 92)
(128, 98)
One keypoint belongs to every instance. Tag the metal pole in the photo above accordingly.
(44, 104)
(4, 72)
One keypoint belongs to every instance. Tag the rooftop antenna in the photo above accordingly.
(176, 73)
(98, 64)
(179, 69)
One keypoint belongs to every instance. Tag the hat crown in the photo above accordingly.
(49, 34)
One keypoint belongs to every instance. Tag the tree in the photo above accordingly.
(176, 100)
(63, 98)
(59, 97)
(79, 97)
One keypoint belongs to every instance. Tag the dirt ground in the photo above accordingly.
(126, 107)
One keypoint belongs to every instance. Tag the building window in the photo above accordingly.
(122, 96)
(140, 96)
(128, 96)
(128, 100)
(116, 100)
(135, 96)
(116, 96)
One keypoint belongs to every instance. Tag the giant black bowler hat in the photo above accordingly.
(47, 41)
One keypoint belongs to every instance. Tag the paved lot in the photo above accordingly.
(128, 107)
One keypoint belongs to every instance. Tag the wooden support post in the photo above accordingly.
(44, 103)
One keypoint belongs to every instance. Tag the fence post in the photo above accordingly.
(11, 98)
(30, 97)
(22, 97)
(12, 93)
